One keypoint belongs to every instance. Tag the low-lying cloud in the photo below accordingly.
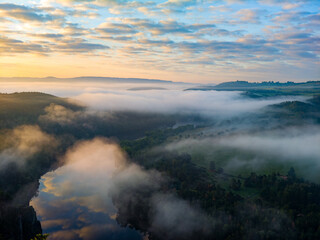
(104, 96)
(23, 142)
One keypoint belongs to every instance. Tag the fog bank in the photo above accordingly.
(23, 142)
(150, 97)
(291, 146)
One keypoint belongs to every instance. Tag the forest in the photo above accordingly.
(193, 160)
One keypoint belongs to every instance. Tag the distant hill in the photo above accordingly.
(88, 79)
(265, 89)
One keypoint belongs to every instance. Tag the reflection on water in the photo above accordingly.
(69, 218)
(74, 201)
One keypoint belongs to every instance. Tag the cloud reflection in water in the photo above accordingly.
(74, 201)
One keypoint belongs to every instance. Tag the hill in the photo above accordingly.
(88, 79)
(26, 107)
(265, 89)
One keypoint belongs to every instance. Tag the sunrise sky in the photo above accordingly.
(207, 41)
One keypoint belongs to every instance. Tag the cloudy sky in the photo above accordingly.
(179, 40)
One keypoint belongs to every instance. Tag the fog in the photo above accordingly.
(291, 146)
(23, 142)
(75, 88)
(207, 103)
(175, 218)
(59, 114)
(290, 143)
(147, 97)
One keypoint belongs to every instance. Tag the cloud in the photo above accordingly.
(172, 57)
(114, 28)
(179, 3)
(79, 45)
(141, 38)
(292, 16)
(96, 2)
(157, 28)
(14, 46)
(251, 15)
(25, 13)
(287, 6)
(22, 143)
(59, 114)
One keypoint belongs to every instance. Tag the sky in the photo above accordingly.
(204, 41)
